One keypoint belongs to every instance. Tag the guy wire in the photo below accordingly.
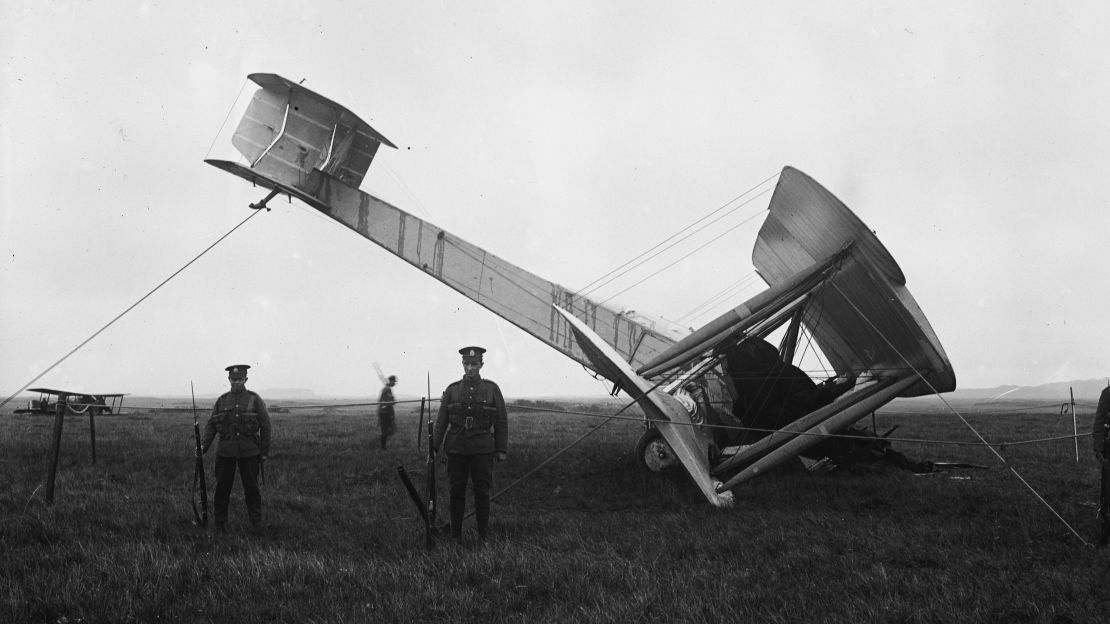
(592, 286)
(131, 307)
(230, 109)
(961, 417)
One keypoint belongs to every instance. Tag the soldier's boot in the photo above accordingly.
(481, 514)
(456, 523)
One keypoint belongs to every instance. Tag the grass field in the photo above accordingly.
(589, 537)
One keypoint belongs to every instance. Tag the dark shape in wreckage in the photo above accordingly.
(827, 273)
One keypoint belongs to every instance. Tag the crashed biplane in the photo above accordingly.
(74, 402)
(722, 401)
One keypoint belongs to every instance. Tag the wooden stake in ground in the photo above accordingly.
(59, 418)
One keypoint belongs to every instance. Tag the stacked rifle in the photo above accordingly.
(425, 505)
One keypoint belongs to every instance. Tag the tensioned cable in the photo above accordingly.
(640, 419)
(528, 288)
(405, 189)
(807, 432)
(562, 450)
(546, 283)
(960, 416)
(588, 291)
(132, 408)
(1009, 410)
(726, 293)
(230, 109)
(810, 347)
(590, 287)
(680, 259)
(697, 312)
(616, 415)
(131, 307)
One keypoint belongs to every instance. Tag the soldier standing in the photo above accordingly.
(243, 423)
(1099, 435)
(472, 415)
(385, 409)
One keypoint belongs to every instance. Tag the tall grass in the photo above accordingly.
(590, 537)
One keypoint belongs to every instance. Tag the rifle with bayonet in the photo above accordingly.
(198, 472)
(426, 506)
(430, 470)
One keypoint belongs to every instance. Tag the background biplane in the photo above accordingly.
(75, 402)
(78, 403)
(723, 400)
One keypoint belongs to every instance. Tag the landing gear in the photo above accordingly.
(654, 452)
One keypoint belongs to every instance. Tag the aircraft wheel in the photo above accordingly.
(654, 452)
(76, 410)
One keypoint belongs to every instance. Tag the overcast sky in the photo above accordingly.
(566, 137)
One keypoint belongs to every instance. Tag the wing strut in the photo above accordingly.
(743, 317)
(662, 409)
(811, 429)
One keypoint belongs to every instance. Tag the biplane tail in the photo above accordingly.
(294, 140)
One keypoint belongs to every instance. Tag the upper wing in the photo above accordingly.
(72, 393)
(52, 391)
(864, 317)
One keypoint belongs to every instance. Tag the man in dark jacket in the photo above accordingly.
(386, 422)
(241, 419)
(472, 426)
(1099, 431)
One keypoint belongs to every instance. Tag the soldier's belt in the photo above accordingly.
(468, 424)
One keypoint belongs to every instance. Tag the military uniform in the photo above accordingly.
(1102, 421)
(241, 420)
(1099, 440)
(472, 427)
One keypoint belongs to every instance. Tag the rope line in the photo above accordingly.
(230, 109)
(585, 290)
(640, 419)
(1011, 410)
(960, 416)
(615, 415)
(726, 293)
(680, 259)
(131, 307)
(808, 433)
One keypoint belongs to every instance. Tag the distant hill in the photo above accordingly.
(271, 394)
(1087, 390)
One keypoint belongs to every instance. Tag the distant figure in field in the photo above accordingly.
(472, 426)
(243, 423)
(385, 410)
(1100, 431)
